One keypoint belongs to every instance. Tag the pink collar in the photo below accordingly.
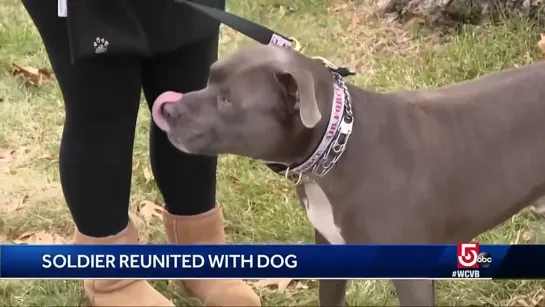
(333, 143)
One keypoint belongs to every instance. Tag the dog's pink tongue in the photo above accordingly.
(157, 109)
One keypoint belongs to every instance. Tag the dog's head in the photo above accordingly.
(261, 102)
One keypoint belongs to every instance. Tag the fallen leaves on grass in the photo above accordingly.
(528, 235)
(525, 236)
(6, 155)
(31, 75)
(40, 237)
(337, 6)
(148, 174)
(50, 158)
(280, 284)
(135, 165)
(149, 210)
(541, 43)
(531, 300)
(14, 206)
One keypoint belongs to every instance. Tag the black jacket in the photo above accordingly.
(137, 27)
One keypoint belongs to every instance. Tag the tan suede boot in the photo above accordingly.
(120, 292)
(207, 228)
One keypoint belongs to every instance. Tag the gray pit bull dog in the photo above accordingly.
(420, 167)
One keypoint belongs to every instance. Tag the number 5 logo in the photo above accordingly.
(467, 255)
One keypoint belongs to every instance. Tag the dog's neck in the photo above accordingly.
(323, 145)
(376, 126)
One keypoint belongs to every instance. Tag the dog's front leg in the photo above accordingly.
(415, 292)
(331, 292)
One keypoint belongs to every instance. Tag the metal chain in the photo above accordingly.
(335, 150)
(337, 147)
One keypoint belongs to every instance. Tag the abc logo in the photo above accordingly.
(484, 260)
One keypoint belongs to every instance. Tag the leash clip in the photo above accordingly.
(290, 178)
(297, 45)
(342, 71)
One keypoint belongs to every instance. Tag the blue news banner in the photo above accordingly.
(270, 261)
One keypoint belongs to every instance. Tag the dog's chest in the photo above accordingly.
(320, 213)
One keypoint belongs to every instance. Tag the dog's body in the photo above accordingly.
(432, 166)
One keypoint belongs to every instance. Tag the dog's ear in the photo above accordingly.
(298, 85)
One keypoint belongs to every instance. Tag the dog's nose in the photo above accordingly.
(168, 111)
(164, 110)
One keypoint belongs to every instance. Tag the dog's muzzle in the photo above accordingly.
(164, 110)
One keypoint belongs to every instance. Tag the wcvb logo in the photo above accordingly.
(468, 256)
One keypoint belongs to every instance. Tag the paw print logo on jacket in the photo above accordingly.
(101, 45)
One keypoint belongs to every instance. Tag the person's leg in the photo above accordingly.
(101, 99)
(188, 182)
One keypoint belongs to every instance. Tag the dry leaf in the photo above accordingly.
(31, 75)
(148, 174)
(301, 286)
(15, 205)
(541, 43)
(281, 284)
(528, 235)
(40, 237)
(6, 155)
(50, 158)
(529, 300)
(150, 210)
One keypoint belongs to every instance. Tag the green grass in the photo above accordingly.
(259, 206)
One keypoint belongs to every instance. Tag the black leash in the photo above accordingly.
(253, 30)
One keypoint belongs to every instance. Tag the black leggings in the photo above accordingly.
(101, 99)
